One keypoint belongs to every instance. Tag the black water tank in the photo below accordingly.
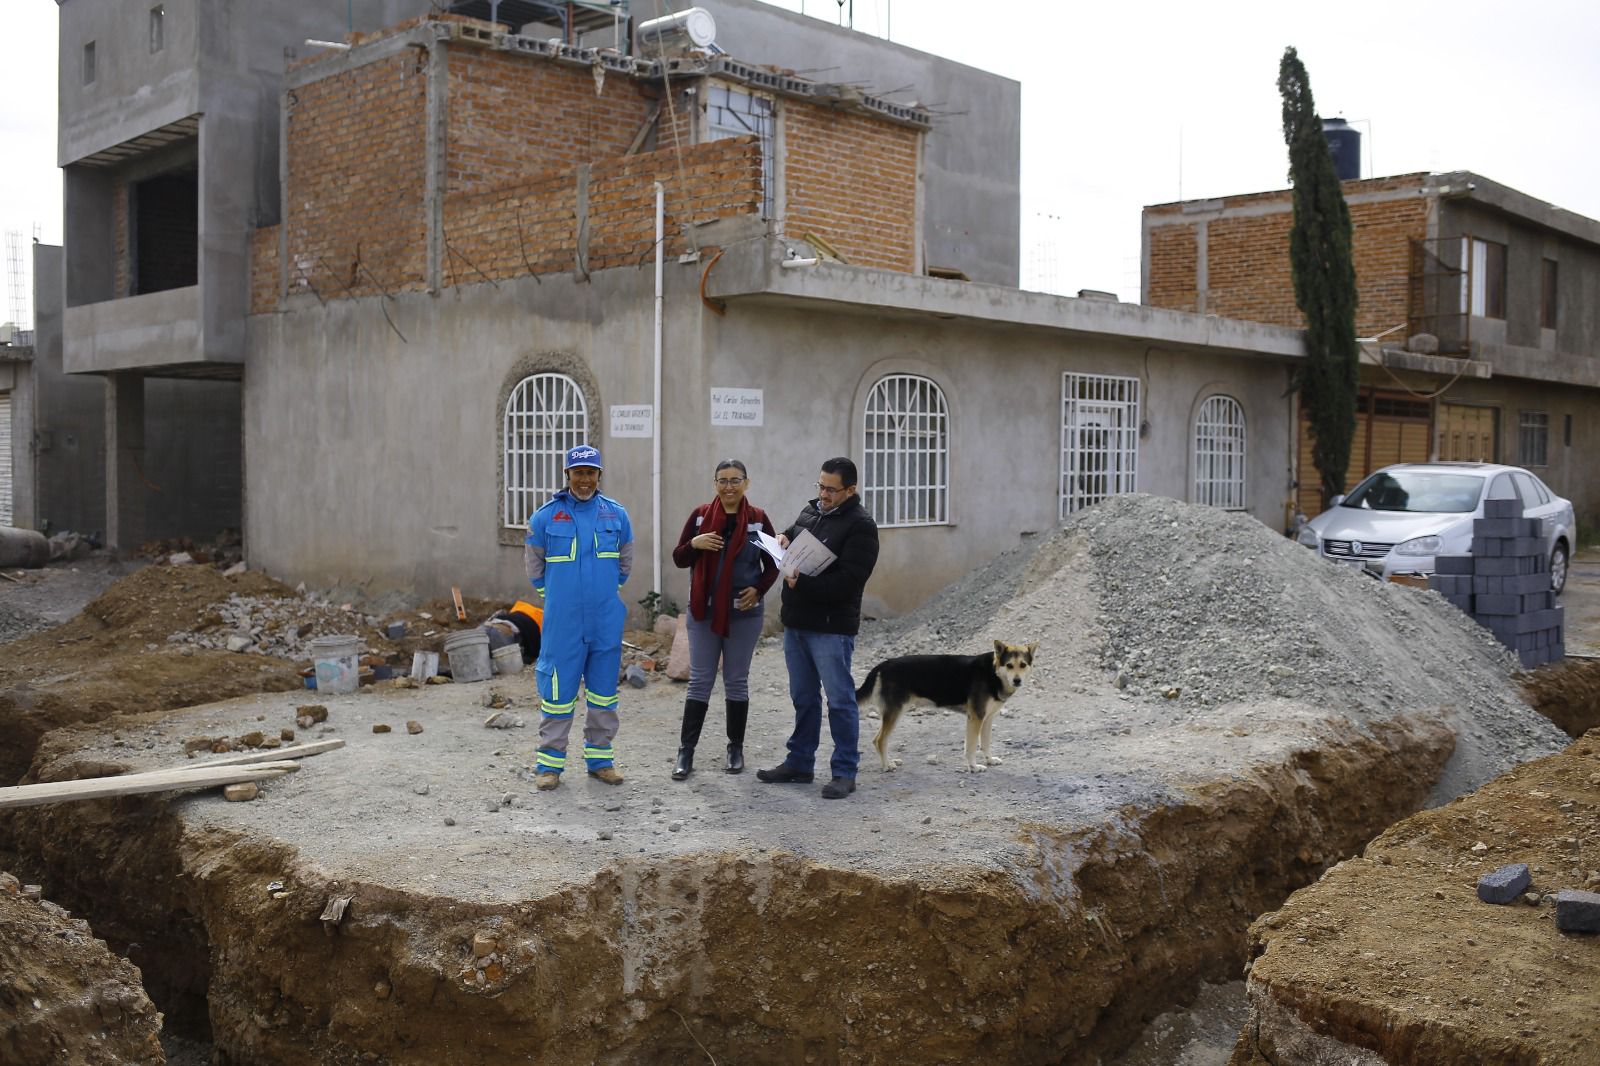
(1344, 144)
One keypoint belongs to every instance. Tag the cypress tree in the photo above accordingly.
(1324, 280)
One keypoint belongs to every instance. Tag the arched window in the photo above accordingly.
(545, 415)
(1219, 453)
(906, 453)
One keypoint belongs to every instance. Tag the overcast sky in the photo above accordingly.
(1126, 104)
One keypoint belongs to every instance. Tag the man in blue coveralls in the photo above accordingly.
(578, 554)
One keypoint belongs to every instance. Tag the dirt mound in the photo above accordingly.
(1567, 693)
(64, 997)
(176, 636)
(1392, 957)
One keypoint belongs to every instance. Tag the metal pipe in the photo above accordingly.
(655, 421)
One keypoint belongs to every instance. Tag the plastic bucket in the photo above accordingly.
(338, 663)
(507, 660)
(468, 652)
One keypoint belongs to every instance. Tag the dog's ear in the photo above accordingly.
(999, 651)
(1031, 649)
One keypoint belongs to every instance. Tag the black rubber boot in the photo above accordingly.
(685, 764)
(694, 716)
(738, 714)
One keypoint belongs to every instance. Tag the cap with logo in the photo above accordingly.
(583, 455)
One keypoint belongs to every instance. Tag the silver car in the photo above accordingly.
(1400, 517)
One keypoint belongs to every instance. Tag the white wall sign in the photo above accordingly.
(633, 420)
(736, 407)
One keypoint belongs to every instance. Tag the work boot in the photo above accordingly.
(685, 764)
(784, 774)
(609, 774)
(838, 788)
(546, 781)
(738, 713)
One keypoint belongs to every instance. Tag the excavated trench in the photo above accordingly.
(1060, 956)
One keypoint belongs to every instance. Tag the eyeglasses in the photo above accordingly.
(831, 490)
(729, 482)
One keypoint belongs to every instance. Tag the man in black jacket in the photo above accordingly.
(821, 617)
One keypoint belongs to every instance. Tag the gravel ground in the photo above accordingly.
(38, 599)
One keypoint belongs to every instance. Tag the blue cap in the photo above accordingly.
(583, 455)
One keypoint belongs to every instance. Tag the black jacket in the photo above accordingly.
(830, 602)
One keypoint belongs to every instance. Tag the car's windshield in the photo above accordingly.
(1410, 490)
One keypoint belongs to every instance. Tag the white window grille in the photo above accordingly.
(545, 415)
(1099, 439)
(906, 452)
(1219, 446)
(732, 112)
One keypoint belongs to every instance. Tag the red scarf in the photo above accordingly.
(708, 576)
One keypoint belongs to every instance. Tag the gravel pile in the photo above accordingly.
(17, 622)
(1186, 605)
(271, 625)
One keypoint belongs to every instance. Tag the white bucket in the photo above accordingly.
(468, 652)
(507, 660)
(337, 661)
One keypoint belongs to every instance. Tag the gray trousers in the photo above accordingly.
(735, 651)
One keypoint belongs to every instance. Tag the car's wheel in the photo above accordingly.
(1558, 567)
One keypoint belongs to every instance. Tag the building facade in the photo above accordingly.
(1478, 313)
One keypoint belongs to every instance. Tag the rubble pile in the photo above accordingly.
(282, 626)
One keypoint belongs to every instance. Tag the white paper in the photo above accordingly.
(807, 555)
(769, 544)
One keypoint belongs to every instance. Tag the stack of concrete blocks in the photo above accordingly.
(1505, 583)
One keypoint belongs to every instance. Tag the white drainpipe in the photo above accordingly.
(655, 422)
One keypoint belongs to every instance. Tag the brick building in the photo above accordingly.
(1507, 284)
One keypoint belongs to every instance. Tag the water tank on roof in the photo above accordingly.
(1344, 144)
(674, 35)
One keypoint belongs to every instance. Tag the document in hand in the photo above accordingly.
(770, 545)
(806, 555)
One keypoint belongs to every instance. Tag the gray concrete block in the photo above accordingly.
(1505, 527)
(1502, 508)
(1508, 567)
(1505, 884)
(1577, 911)
(1501, 603)
(1452, 564)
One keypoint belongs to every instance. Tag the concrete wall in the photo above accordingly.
(972, 162)
(374, 457)
(68, 438)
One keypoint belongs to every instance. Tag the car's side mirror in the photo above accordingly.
(1337, 500)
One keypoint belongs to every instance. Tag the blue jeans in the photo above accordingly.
(822, 660)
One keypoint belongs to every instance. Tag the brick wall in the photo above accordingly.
(1173, 260)
(264, 270)
(852, 180)
(1247, 258)
(511, 117)
(532, 227)
(357, 177)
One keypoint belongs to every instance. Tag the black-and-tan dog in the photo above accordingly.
(976, 684)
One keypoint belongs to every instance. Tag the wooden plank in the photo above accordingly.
(138, 784)
(298, 751)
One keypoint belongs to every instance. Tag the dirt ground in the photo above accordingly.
(1119, 790)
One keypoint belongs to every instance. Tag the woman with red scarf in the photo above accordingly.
(731, 574)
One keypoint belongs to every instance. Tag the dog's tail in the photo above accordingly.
(865, 691)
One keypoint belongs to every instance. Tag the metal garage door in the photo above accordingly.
(1390, 428)
(6, 480)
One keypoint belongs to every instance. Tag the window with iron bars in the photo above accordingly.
(906, 452)
(1219, 450)
(545, 415)
(733, 112)
(1099, 439)
(1533, 438)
